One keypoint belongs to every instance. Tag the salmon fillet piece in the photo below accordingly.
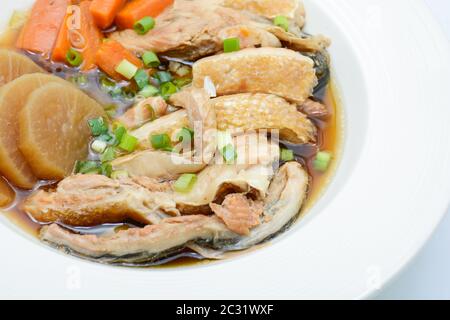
(278, 71)
(239, 213)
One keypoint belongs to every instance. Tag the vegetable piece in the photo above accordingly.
(223, 139)
(229, 154)
(185, 135)
(144, 25)
(149, 91)
(7, 195)
(185, 182)
(54, 129)
(108, 155)
(160, 141)
(85, 167)
(104, 11)
(119, 174)
(111, 54)
(106, 169)
(74, 58)
(13, 97)
(91, 35)
(231, 45)
(128, 143)
(150, 59)
(126, 69)
(164, 76)
(99, 146)
(286, 155)
(14, 65)
(138, 9)
(119, 132)
(141, 77)
(98, 126)
(41, 30)
(168, 89)
(62, 44)
(322, 161)
(282, 22)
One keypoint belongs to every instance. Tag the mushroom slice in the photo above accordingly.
(151, 243)
(87, 200)
(278, 71)
(202, 119)
(243, 112)
(292, 9)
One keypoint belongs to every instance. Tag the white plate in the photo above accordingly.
(392, 65)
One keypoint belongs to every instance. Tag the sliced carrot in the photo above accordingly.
(62, 44)
(41, 30)
(91, 37)
(104, 11)
(137, 9)
(111, 54)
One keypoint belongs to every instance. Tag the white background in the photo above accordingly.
(428, 276)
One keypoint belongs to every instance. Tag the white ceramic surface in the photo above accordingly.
(389, 194)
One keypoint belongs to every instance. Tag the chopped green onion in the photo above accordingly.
(106, 82)
(322, 161)
(185, 182)
(119, 174)
(98, 126)
(106, 169)
(223, 139)
(148, 91)
(152, 116)
(229, 154)
(126, 69)
(79, 80)
(231, 45)
(85, 167)
(74, 58)
(181, 82)
(164, 76)
(160, 141)
(119, 132)
(144, 25)
(183, 71)
(287, 155)
(98, 146)
(185, 135)
(168, 89)
(128, 143)
(108, 155)
(141, 77)
(150, 59)
(129, 92)
(106, 138)
(282, 22)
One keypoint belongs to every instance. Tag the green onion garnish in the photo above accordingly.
(224, 138)
(119, 132)
(98, 126)
(185, 135)
(322, 161)
(126, 69)
(150, 59)
(152, 116)
(108, 155)
(85, 167)
(98, 146)
(181, 82)
(79, 80)
(164, 76)
(185, 182)
(287, 155)
(106, 169)
(128, 143)
(282, 22)
(229, 154)
(148, 91)
(231, 45)
(144, 25)
(168, 89)
(119, 174)
(106, 82)
(141, 77)
(160, 141)
(74, 58)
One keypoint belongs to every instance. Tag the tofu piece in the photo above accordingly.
(277, 71)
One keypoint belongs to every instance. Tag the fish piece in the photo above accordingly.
(168, 165)
(149, 244)
(238, 213)
(146, 110)
(292, 9)
(278, 71)
(87, 200)
(14, 65)
(243, 112)
(314, 108)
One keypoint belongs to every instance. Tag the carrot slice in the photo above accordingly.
(41, 30)
(104, 11)
(91, 37)
(62, 44)
(137, 9)
(111, 54)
